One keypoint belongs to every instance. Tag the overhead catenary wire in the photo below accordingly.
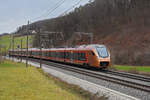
(70, 8)
(57, 5)
(50, 11)
(61, 2)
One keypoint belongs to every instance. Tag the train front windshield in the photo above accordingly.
(102, 52)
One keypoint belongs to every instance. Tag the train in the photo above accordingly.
(94, 55)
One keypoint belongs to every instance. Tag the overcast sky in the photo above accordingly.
(14, 13)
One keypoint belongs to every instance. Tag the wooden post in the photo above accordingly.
(40, 49)
(27, 46)
(21, 51)
(13, 49)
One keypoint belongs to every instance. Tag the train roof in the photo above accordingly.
(81, 47)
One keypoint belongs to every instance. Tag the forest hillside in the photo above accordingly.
(122, 25)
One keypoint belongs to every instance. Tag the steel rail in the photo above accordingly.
(115, 80)
(129, 75)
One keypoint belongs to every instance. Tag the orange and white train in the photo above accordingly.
(87, 55)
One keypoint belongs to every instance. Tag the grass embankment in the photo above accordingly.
(144, 70)
(20, 83)
(6, 41)
(128, 68)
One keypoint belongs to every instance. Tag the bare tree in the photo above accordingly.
(107, 19)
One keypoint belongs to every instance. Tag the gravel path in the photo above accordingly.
(126, 90)
(122, 89)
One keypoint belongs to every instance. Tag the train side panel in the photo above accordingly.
(92, 59)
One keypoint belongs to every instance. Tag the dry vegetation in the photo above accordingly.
(123, 25)
(143, 70)
(21, 83)
(74, 88)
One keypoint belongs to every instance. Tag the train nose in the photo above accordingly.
(104, 64)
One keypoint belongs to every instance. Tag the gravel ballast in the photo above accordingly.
(86, 82)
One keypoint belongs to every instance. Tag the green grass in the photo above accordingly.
(128, 68)
(6, 41)
(20, 83)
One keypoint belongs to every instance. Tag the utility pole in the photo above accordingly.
(27, 45)
(5, 52)
(0, 54)
(13, 47)
(10, 47)
(40, 48)
(21, 51)
(92, 38)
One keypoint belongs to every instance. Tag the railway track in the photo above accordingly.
(127, 83)
(129, 75)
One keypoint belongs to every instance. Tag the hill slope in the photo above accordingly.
(123, 25)
(6, 41)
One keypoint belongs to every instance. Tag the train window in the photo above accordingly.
(45, 54)
(49, 53)
(35, 53)
(70, 55)
(67, 55)
(53, 54)
(93, 53)
(82, 57)
(79, 56)
(32, 53)
(63, 54)
(29, 53)
(102, 52)
(75, 56)
(58, 54)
